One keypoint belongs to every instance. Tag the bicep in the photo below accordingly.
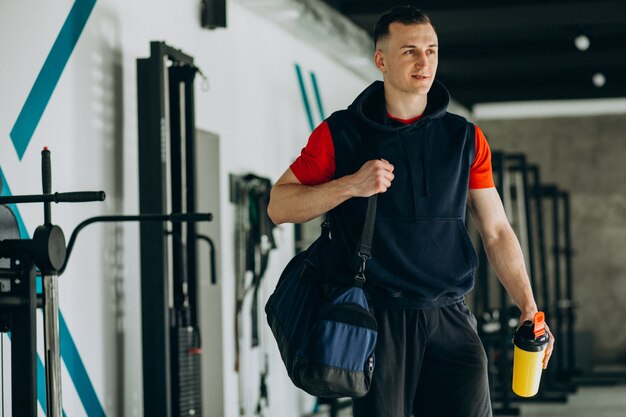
(487, 210)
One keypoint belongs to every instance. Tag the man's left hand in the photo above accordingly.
(550, 346)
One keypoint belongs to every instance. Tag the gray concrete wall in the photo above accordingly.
(587, 157)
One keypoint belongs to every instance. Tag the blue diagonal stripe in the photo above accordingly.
(305, 97)
(318, 97)
(7, 191)
(77, 370)
(69, 352)
(49, 76)
(41, 384)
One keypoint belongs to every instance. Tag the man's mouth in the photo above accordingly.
(420, 77)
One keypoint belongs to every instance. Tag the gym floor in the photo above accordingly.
(603, 401)
(587, 402)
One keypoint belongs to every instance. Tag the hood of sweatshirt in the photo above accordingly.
(370, 107)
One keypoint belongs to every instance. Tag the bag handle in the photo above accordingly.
(365, 251)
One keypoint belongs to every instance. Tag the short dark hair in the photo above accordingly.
(407, 15)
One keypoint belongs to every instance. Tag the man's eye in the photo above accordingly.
(431, 52)
(410, 52)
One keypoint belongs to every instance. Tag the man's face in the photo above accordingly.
(408, 58)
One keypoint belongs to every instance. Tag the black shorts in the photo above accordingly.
(429, 363)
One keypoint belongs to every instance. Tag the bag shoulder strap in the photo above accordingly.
(365, 248)
(367, 235)
(368, 228)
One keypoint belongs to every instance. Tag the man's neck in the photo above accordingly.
(404, 106)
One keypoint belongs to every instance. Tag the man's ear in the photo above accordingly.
(379, 60)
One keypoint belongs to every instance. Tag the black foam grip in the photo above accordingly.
(213, 265)
(79, 196)
(191, 217)
(46, 171)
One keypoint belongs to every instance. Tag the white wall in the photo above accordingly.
(90, 124)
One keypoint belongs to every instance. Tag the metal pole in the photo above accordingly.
(23, 340)
(52, 346)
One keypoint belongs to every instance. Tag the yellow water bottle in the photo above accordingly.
(530, 342)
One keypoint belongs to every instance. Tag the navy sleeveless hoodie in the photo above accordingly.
(422, 255)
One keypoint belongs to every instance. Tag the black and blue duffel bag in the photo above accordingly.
(325, 330)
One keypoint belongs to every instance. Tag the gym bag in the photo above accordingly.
(325, 331)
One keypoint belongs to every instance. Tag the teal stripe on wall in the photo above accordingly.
(41, 385)
(7, 191)
(21, 135)
(318, 98)
(305, 97)
(78, 372)
(49, 76)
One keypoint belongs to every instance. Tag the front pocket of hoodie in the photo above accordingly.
(433, 252)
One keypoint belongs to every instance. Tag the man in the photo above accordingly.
(427, 165)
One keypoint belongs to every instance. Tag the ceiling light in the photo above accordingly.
(598, 79)
(582, 42)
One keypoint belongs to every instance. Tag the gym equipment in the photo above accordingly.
(555, 288)
(568, 304)
(19, 299)
(568, 374)
(564, 304)
(254, 240)
(172, 378)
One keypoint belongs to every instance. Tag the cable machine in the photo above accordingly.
(169, 278)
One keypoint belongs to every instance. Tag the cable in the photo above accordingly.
(2, 369)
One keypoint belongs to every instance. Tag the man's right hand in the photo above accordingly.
(293, 202)
(373, 177)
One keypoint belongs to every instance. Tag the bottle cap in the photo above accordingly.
(529, 338)
(539, 325)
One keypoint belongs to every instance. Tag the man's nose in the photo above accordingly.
(420, 59)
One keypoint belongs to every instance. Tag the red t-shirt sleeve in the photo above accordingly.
(481, 175)
(316, 163)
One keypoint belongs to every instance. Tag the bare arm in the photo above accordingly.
(293, 202)
(504, 252)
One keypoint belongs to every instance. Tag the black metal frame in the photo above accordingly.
(19, 315)
(559, 297)
(167, 362)
(571, 369)
(541, 277)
